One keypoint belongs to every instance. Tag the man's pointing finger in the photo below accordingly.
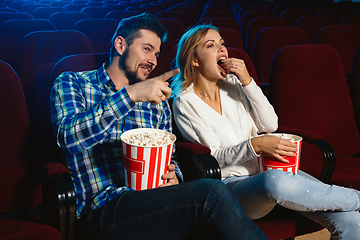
(164, 77)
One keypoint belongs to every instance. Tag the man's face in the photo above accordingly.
(140, 58)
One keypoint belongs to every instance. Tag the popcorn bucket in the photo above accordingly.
(267, 162)
(144, 165)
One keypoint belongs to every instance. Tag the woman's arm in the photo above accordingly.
(195, 129)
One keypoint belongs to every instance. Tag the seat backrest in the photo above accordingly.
(271, 5)
(94, 3)
(66, 20)
(309, 92)
(77, 63)
(255, 25)
(291, 15)
(118, 15)
(96, 12)
(240, 54)
(248, 16)
(166, 58)
(244, 8)
(35, 74)
(75, 6)
(11, 34)
(19, 188)
(184, 17)
(116, 7)
(45, 12)
(333, 14)
(6, 9)
(345, 39)
(228, 22)
(192, 10)
(99, 32)
(231, 37)
(59, 4)
(30, 6)
(17, 4)
(268, 41)
(216, 13)
(148, 9)
(174, 27)
(5, 16)
(350, 19)
(355, 86)
(311, 25)
(280, 8)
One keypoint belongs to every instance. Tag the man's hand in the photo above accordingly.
(170, 177)
(154, 90)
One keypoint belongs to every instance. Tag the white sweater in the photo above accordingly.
(245, 113)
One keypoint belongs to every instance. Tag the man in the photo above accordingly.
(91, 109)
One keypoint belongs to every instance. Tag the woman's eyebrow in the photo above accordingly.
(211, 40)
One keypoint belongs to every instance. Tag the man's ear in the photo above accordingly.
(120, 44)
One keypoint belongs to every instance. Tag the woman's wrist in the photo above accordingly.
(245, 83)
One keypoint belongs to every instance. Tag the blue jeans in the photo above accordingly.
(189, 210)
(334, 207)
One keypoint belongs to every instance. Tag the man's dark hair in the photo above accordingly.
(129, 28)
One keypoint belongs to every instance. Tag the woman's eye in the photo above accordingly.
(210, 45)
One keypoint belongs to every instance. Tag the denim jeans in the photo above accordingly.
(334, 207)
(189, 210)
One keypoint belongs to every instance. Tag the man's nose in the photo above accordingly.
(153, 60)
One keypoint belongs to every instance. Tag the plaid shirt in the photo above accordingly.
(89, 114)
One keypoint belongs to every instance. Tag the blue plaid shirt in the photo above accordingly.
(89, 114)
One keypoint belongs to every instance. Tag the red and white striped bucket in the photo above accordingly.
(267, 162)
(144, 166)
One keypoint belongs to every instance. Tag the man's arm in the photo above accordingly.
(79, 126)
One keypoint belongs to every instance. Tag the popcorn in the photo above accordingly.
(147, 139)
(282, 135)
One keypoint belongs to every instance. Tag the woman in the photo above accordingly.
(219, 105)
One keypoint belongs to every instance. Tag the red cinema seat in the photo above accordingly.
(311, 98)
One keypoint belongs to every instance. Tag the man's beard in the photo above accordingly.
(131, 75)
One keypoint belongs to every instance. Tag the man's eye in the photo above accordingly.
(147, 49)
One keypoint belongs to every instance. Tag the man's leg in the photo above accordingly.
(173, 212)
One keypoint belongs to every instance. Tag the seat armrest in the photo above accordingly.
(58, 204)
(325, 147)
(196, 161)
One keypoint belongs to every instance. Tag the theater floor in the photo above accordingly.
(319, 235)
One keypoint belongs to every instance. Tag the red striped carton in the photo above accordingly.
(144, 166)
(267, 162)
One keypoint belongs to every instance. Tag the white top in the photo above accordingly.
(245, 113)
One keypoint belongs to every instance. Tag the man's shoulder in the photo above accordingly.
(80, 77)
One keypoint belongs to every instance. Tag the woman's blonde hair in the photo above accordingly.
(185, 54)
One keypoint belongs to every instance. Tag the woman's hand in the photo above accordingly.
(274, 146)
(238, 67)
(170, 176)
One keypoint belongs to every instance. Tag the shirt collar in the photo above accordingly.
(103, 76)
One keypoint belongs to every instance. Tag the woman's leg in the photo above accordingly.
(173, 212)
(341, 225)
(259, 193)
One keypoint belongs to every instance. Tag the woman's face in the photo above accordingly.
(209, 52)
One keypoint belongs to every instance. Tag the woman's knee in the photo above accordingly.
(277, 183)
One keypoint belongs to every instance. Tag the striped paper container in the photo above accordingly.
(267, 162)
(144, 166)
